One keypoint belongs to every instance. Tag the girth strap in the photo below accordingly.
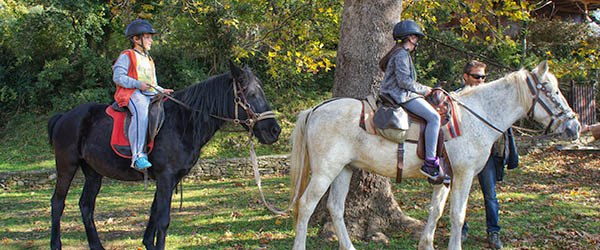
(400, 163)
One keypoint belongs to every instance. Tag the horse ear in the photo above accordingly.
(236, 72)
(542, 68)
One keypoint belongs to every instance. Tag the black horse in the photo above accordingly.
(81, 139)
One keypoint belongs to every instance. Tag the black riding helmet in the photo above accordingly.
(405, 28)
(138, 27)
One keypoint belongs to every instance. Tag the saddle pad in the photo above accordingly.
(118, 140)
(452, 128)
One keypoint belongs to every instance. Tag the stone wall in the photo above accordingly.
(231, 167)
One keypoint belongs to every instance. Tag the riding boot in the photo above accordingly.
(431, 168)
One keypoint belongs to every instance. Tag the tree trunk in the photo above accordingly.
(366, 35)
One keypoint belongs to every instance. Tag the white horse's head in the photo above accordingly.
(549, 106)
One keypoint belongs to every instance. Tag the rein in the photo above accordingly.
(473, 112)
(252, 118)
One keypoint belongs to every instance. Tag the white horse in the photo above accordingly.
(327, 140)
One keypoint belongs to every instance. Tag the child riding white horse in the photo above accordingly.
(326, 141)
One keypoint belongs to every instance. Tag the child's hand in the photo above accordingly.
(168, 91)
(145, 86)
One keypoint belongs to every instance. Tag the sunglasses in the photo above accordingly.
(476, 76)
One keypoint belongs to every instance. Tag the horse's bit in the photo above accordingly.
(536, 87)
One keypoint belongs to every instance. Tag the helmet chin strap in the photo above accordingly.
(414, 44)
(144, 47)
(141, 44)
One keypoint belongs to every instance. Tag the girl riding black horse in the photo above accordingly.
(81, 139)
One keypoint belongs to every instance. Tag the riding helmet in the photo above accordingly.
(138, 27)
(406, 28)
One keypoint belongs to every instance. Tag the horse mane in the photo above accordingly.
(213, 96)
(517, 77)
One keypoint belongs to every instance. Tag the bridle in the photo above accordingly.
(251, 119)
(239, 97)
(241, 101)
(536, 87)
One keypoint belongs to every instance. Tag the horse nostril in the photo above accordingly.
(276, 130)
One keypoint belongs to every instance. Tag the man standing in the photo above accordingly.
(504, 152)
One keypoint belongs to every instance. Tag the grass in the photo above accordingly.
(550, 202)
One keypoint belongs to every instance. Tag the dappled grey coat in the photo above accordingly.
(400, 80)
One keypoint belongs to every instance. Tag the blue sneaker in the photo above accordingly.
(142, 163)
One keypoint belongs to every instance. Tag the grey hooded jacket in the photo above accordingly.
(400, 80)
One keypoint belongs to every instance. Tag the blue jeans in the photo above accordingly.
(487, 181)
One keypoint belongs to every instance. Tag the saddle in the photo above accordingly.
(380, 125)
(121, 116)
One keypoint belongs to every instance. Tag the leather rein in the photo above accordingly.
(535, 87)
(251, 119)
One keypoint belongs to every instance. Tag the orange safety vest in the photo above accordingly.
(123, 95)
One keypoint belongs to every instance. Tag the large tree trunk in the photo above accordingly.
(366, 35)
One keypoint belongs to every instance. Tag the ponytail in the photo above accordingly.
(384, 61)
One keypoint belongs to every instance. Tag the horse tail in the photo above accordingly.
(299, 163)
(51, 123)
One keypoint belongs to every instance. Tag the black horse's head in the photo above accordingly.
(253, 109)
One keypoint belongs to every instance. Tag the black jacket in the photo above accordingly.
(510, 159)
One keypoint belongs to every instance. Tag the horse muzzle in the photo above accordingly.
(267, 131)
(571, 129)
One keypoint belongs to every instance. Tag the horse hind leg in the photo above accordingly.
(65, 170)
(438, 201)
(87, 204)
(306, 206)
(335, 203)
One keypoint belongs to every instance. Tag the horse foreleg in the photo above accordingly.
(306, 206)
(150, 232)
(335, 203)
(87, 204)
(458, 207)
(164, 193)
(438, 201)
(65, 173)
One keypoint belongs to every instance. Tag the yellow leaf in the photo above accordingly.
(272, 54)
(278, 222)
